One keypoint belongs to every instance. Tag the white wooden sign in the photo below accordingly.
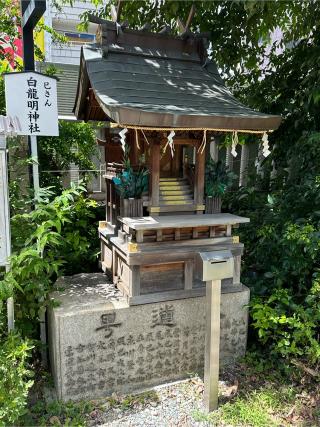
(32, 97)
(4, 207)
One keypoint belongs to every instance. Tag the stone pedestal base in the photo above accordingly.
(100, 345)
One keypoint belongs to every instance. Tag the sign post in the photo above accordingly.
(5, 239)
(32, 11)
(32, 97)
(35, 165)
(4, 205)
(212, 349)
(31, 103)
(213, 267)
(39, 112)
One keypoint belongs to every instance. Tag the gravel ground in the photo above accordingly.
(165, 406)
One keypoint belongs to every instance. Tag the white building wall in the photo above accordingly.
(72, 13)
(63, 21)
(65, 55)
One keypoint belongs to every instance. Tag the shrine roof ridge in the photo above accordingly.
(146, 79)
(123, 27)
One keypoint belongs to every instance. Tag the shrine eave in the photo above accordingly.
(146, 88)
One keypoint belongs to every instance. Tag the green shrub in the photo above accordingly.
(59, 413)
(289, 328)
(15, 378)
(58, 237)
(76, 144)
(217, 178)
(281, 264)
(131, 184)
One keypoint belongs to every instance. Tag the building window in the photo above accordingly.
(79, 38)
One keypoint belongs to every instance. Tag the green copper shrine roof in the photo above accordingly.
(147, 79)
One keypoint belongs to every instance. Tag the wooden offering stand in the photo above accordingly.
(153, 258)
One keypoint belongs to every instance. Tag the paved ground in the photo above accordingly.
(164, 406)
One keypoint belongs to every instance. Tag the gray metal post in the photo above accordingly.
(212, 349)
(5, 222)
(35, 164)
(10, 309)
(32, 11)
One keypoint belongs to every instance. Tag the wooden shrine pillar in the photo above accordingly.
(199, 179)
(155, 177)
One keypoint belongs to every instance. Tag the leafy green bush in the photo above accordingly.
(130, 183)
(76, 144)
(282, 259)
(217, 178)
(58, 237)
(289, 328)
(59, 413)
(15, 378)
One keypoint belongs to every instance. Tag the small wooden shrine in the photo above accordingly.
(163, 97)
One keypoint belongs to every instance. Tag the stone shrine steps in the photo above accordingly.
(175, 191)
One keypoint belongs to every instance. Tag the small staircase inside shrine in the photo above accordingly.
(175, 192)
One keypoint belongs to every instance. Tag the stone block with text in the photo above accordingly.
(100, 344)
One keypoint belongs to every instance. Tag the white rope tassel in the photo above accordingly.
(265, 145)
(204, 142)
(170, 141)
(137, 139)
(234, 144)
(122, 135)
(144, 135)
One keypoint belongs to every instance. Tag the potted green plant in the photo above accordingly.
(130, 184)
(217, 179)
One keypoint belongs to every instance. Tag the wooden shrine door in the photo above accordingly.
(171, 167)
